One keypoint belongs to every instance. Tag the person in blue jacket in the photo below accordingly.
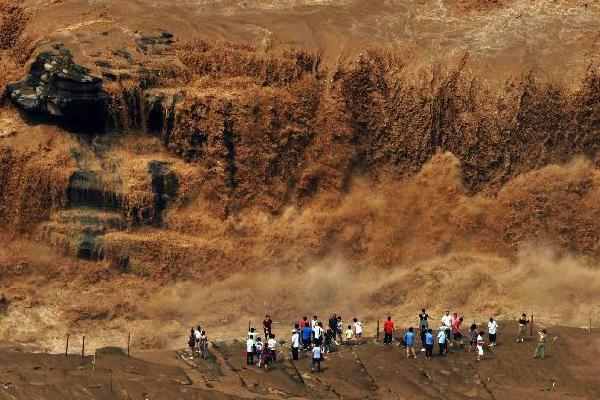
(306, 337)
(409, 341)
(429, 343)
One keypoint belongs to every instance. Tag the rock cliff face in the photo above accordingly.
(56, 86)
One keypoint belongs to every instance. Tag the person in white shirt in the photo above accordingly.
(252, 334)
(316, 360)
(314, 322)
(258, 349)
(271, 346)
(295, 344)
(479, 345)
(198, 336)
(447, 320)
(249, 351)
(357, 330)
(492, 331)
(318, 334)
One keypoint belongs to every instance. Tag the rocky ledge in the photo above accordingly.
(57, 86)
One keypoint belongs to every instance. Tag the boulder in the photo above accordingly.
(57, 86)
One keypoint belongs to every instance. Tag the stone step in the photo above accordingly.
(75, 231)
(88, 189)
(90, 217)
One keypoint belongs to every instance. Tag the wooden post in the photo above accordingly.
(67, 346)
(590, 326)
(128, 343)
(531, 326)
(377, 329)
(83, 347)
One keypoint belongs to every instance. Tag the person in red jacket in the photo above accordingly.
(388, 330)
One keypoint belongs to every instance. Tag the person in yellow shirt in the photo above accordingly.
(349, 335)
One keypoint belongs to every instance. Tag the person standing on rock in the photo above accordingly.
(306, 337)
(429, 343)
(423, 319)
(409, 341)
(447, 320)
(357, 330)
(318, 332)
(541, 347)
(272, 347)
(443, 341)
(349, 336)
(423, 326)
(523, 321)
(295, 344)
(316, 359)
(267, 325)
(492, 331)
(250, 351)
(388, 331)
(456, 334)
(333, 322)
(314, 322)
(192, 342)
(473, 337)
(480, 344)
(340, 328)
(259, 348)
(203, 344)
(329, 338)
(198, 335)
(252, 334)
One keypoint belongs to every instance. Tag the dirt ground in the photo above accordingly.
(368, 371)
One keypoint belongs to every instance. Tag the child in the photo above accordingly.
(340, 327)
(409, 341)
(316, 361)
(429, 343)
(349, 336)
(357, 330)
(259, 347)
(480, 344)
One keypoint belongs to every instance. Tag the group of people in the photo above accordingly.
(198, 342)
(263, 352)
(318, 339)
(307, 336)
(449, 334)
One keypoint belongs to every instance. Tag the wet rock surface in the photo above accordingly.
(57, 86)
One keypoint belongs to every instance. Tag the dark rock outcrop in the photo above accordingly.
(56, 86)
(164, 187)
